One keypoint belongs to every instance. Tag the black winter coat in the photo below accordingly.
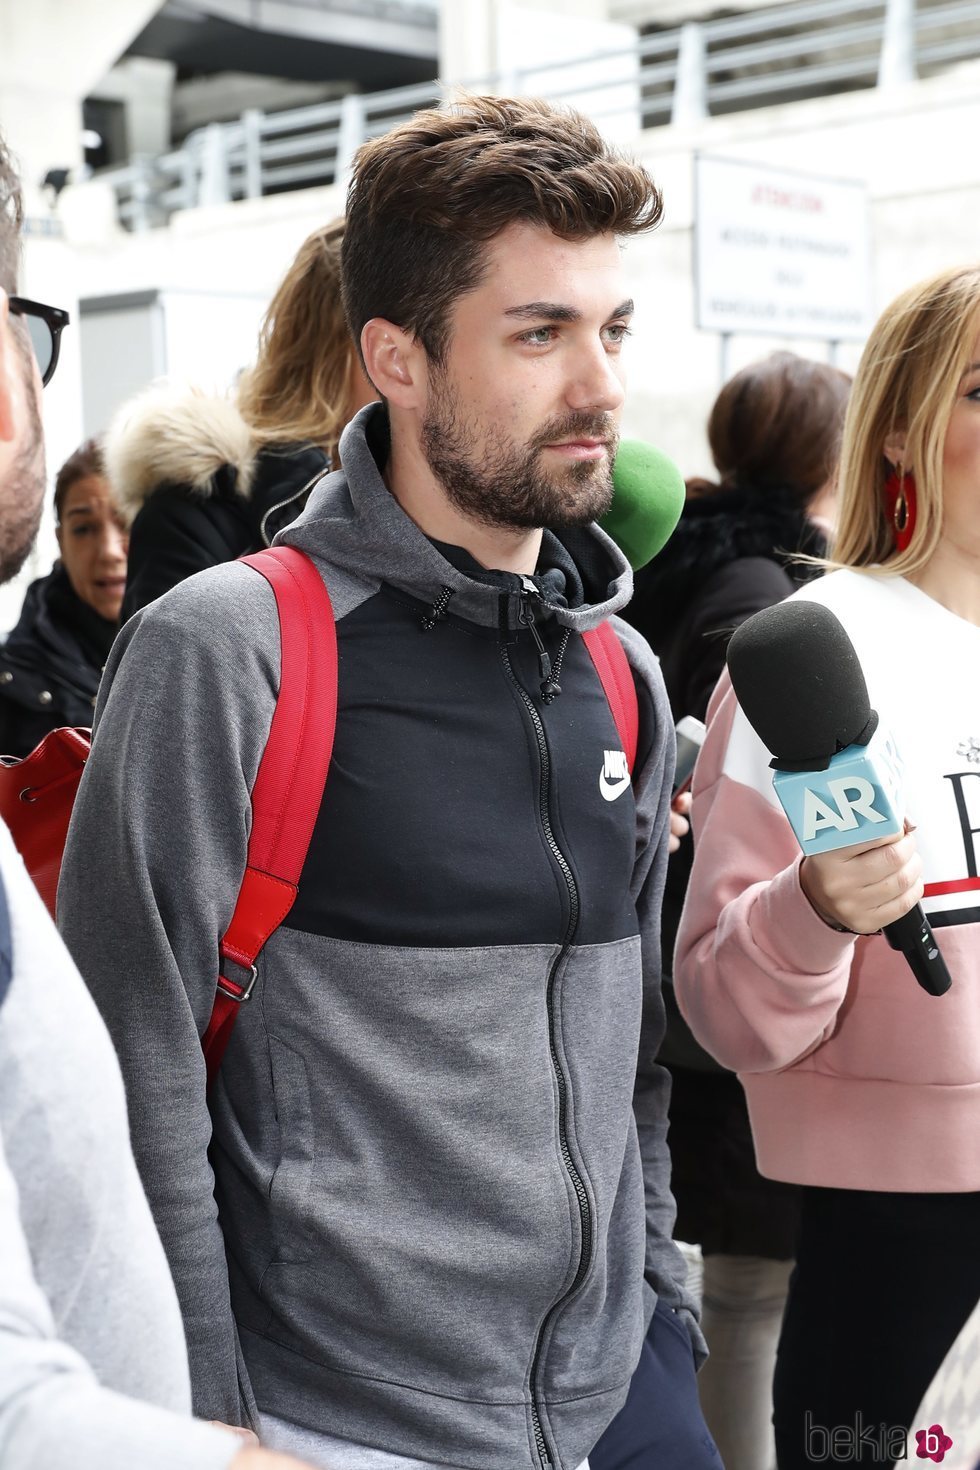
(730, 556)
(180, 531)
(51, 664)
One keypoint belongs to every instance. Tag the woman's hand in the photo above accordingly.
(864, 888)
(680, 809)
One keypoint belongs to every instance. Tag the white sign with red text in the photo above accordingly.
(781, 253)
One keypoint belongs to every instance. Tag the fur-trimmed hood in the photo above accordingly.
(195, 488)
(176, 436)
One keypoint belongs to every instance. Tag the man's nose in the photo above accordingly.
(597, 383)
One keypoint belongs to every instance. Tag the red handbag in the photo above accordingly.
(36, 798)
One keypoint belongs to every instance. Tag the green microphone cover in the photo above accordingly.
(648, 497)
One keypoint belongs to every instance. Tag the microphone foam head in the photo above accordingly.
(648, 497)
(797, 677)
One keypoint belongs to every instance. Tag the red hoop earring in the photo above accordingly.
(900, 507)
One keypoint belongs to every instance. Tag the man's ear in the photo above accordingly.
(395, 363)
(894, 448)
(8, 368)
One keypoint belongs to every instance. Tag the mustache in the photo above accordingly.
(577, 426)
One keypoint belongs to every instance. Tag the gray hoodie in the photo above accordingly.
(433, 1215)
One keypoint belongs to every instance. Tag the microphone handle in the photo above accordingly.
(912, 935)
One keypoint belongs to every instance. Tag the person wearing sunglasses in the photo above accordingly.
(93, 1362)
(44, 325)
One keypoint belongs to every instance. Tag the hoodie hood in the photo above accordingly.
(354, 522)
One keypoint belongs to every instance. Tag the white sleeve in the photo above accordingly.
(54, 1415)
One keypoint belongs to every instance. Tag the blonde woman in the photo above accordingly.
(204, 479)
(862, 1088)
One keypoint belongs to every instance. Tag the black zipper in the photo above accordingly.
(305, 490)
(575, 1177)
(549, 685)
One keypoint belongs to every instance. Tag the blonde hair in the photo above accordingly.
(299, 389)
(907, 380)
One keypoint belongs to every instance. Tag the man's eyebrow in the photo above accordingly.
(552, 311)
(548, 311)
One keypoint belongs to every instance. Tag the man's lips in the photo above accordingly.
(580, 448)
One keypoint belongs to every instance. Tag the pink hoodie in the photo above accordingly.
(854, 1076)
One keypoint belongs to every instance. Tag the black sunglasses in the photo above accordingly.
(44, 324)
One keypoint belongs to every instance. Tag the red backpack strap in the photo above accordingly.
(291, 776)
(616, 677)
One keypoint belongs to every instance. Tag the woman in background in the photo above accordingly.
(51, 664)
(203, 479)
(774, 433)
(862, 1088)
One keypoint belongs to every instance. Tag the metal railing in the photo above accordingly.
(674, 76)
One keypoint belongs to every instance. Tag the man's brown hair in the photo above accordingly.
(11, 219)
(425, 198)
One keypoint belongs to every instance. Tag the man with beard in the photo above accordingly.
(93, 1367)
(435, 1221)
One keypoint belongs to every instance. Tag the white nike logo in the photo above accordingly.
(614, 776)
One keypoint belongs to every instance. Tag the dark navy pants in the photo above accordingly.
(660, 1427)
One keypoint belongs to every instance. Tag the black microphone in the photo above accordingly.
(838, 775)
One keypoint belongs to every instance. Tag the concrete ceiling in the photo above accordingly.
(309, 42)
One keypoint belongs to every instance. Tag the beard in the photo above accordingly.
(492, 480)
(22, 495)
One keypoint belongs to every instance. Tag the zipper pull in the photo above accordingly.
(549, 686)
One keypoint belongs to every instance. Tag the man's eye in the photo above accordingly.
(83, 529)
(538, 336)
(617, 333)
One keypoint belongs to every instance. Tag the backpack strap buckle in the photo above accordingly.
(236, 992)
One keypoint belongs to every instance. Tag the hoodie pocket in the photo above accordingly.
(289, 1192)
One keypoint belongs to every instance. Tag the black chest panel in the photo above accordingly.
(458, 809)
